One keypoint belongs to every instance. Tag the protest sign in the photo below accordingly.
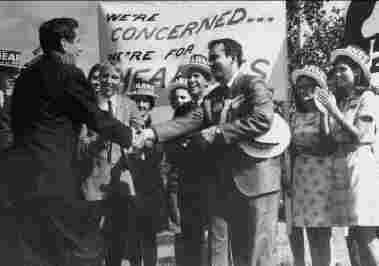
(151, 39)
(10, 58)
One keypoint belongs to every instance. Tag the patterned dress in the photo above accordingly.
(356, 166)
(312, 180)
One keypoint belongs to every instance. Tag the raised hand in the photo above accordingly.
(328, 101)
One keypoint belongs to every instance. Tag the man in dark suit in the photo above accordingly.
(244, 206)
(51, 100)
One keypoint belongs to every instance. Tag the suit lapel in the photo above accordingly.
(235, 88)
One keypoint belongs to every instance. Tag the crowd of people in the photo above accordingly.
(87, 159)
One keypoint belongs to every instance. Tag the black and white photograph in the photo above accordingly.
(189, 133)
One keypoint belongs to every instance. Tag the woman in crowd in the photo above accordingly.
(181, 102)
(85, 135)
(94, 77)
(188, 176)
(148, 169)
(353, 126)
(311, 180)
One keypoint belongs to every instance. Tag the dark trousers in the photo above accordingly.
(146, 221)
(143, 245)
(116, 230)
(362, 244)
(246, 228)
(194, 217)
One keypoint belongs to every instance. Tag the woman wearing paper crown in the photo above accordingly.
(189, 179)
(311, 180)
(145, 97)
(355, 167)
(148, 169)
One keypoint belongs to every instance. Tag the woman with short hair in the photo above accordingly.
(311, 179)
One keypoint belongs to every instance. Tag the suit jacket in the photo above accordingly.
(251, 118)
(51, 101)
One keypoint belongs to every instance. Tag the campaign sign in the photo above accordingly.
(152, 39)
(10, 58)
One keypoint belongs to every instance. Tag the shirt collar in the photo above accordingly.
(104, 104)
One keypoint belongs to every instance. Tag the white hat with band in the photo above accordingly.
(357, 55)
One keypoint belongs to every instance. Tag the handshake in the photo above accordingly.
(144, 138)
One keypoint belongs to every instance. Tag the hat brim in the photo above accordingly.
(271, 144)
(176, 85)
(300, 72)
(342, 52)
(132, 94)
(187, 69)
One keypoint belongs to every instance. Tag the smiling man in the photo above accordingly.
(198, 75)
(246, 200)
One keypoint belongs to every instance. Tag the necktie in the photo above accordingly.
(109, 152)
(227, 103)
(110, 107)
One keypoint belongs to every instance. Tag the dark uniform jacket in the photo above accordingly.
(251, 118)
(50, 101)
(148, 170)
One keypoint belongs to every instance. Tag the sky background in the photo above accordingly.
(20, 21)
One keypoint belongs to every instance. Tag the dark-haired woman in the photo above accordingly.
(311, 179)
(188, 180)
(353, 126)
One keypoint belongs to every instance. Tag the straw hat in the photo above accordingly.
(272, 143)
(199, 63)
(143, 88)
(178, 83)
(311, 71)
(357, 55)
